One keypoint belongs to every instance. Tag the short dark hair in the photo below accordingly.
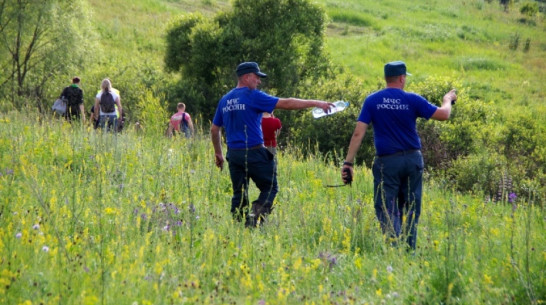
(76, 80)
(180, 105)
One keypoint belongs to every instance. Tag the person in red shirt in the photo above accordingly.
(271, 127)
(180, 122)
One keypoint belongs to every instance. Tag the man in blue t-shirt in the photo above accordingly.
(398, 165)
(239, 112)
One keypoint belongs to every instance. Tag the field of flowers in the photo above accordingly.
(92, 218)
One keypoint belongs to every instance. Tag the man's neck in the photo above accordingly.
(395, 86)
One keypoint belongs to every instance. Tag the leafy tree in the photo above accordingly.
(40, 43)
(284, 36)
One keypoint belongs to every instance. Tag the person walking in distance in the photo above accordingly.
(106, 102)
(398, 165)
(271, 128)
(181, 122)
(73, 96)
(239, 112)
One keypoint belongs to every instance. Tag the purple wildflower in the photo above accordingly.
(512, 197)
(329, 259)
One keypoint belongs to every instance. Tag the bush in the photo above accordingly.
(152, 114)
(284, 37)
(330, 134)
(529, 9)
(524, 144)
(479, 173)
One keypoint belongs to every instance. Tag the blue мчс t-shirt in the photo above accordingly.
(393, 113)
(240, 113)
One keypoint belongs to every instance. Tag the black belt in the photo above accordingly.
(400, 153)
(249, 148)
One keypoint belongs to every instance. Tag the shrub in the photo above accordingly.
(479, 173)
(330, 134)
(529, 9)
(152, 114)
(284, 37)
(524, 144)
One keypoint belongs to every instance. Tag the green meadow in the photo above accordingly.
(137, 218)
(92, 218)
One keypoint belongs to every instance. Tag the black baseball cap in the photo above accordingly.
(249, 67)
(395, 68)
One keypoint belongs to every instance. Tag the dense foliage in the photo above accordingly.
(285, 37)
(39, 45)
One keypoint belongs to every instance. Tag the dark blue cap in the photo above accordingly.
(249, 67)
(395, 68)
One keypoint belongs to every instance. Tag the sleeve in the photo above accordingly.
(218, 119)
(365, 115)
(424, 108)
(80, 96)
(264, 101)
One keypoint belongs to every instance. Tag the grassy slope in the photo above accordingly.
(137, 27)
(468, 40)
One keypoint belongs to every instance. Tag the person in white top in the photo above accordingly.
(107, 99)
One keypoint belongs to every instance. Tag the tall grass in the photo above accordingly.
(92, 218)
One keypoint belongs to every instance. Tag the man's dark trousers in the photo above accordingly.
(257, 164)
(398, 185)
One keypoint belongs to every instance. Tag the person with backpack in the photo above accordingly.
(181, 122)
(73, 97)
(120, 115)
(106, 101)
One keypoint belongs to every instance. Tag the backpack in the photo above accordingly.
(184, 128)
(107, 104)
(70, 96)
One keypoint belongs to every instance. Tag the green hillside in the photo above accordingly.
(477, 41)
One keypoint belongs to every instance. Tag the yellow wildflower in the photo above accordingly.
(358, 263)
(487, 279)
